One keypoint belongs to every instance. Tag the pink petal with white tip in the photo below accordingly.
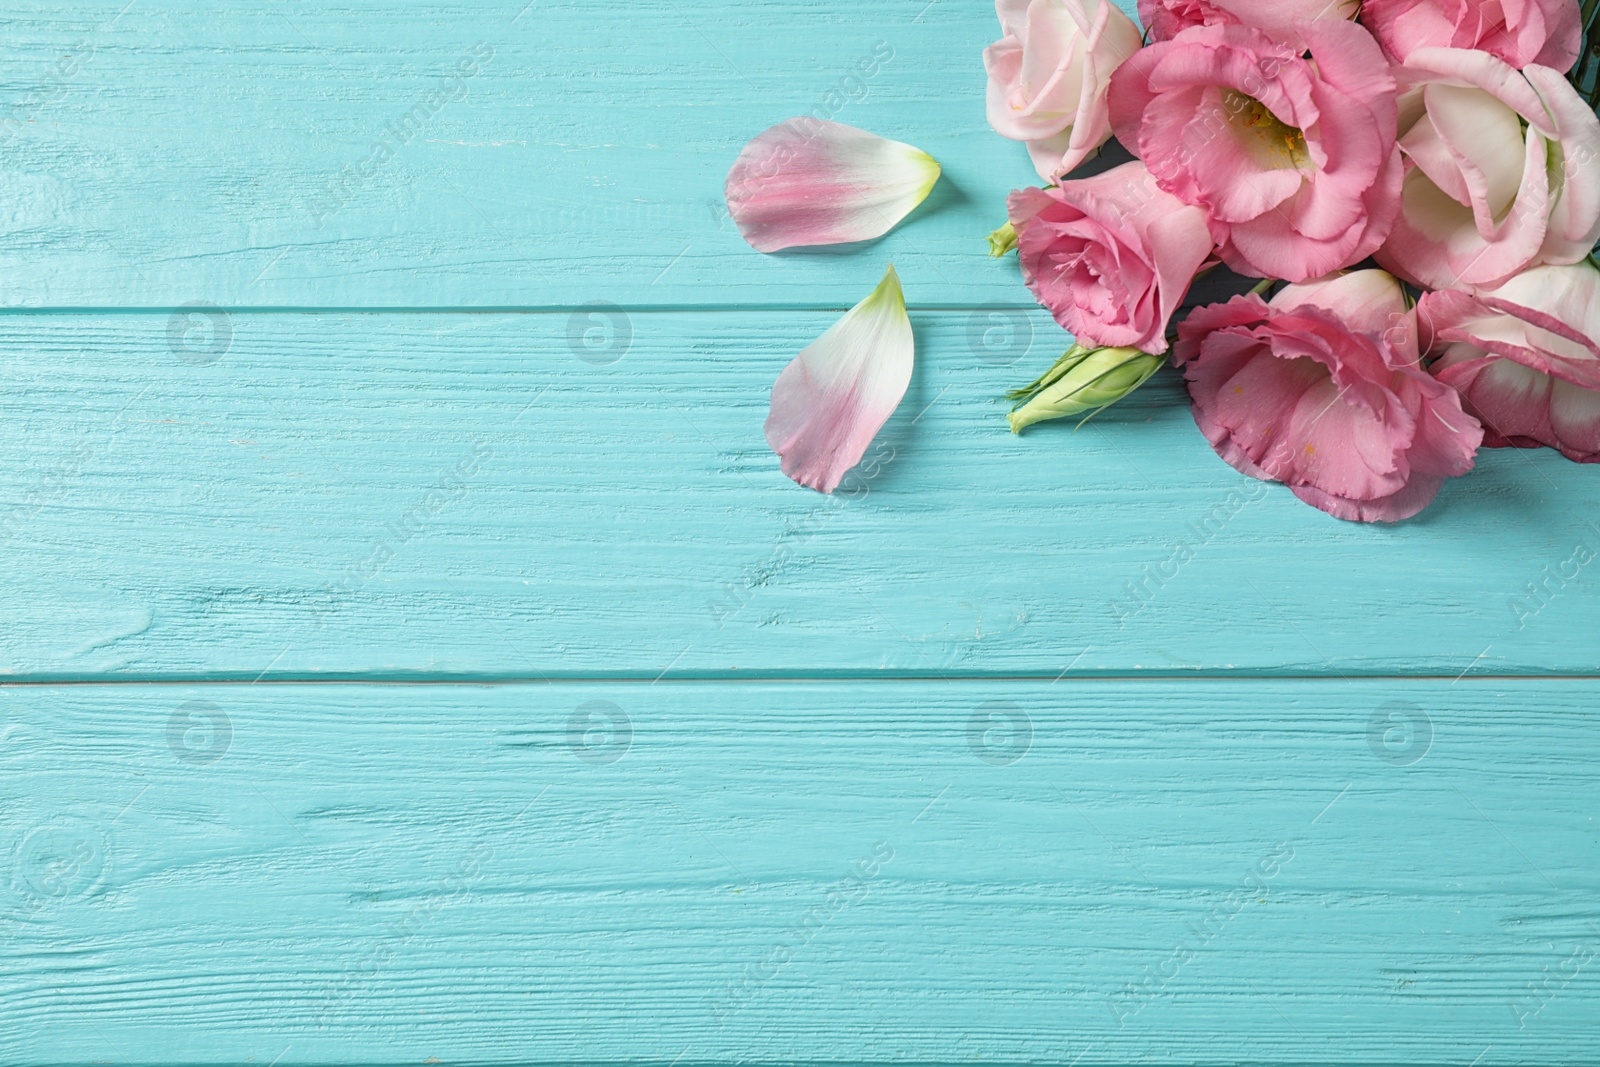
(831, 400)
(811, 182)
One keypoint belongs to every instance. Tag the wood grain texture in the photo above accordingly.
(579, 155)
(1062, 749)
(461, 495)
(1179, 871)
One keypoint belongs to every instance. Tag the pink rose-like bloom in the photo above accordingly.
(1111, 256)
(1048, 76)
(1293, 157)
(1322, 389)
(1168, 18)
(1525, 357)
(1547, 32)
(1502, 171)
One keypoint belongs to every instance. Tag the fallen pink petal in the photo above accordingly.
(831, 400)
(811, 182)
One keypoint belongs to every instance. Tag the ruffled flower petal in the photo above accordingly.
(1502, 171)
(1547, 32)
(1524, 408)
(1525, 357)
(1111, 256)
(1575, 219)
(831, 400)
(1405, 502)
(1371, 301)
(1293, 156)
(1321, 389)
(811, 182)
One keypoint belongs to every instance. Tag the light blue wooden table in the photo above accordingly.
(413, 653)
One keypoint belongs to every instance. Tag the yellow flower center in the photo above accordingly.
(1271, 143)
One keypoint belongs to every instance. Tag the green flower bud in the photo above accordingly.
(1082, 382)
(1002, 240)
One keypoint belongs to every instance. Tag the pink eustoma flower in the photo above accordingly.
(1048, 76)
(1525, 357)
(1547, 32)
(811, 182)
(831, 400)
(1111, 256)
(1502, 171)
(1322, 389)
(1293, 155)
(1165, 19)
(1278, 18)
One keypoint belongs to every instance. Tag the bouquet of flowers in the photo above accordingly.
(1410, 189)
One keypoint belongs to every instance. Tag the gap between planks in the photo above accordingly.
(775, 678)
(506, 309)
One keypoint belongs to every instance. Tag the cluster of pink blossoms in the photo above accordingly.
(1435, 143)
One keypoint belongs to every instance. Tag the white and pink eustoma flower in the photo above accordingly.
(808, 181)
(1322, 389)
(1279, 18)
(1525, 356)
(1049, 73)
(1546, 32)
(834, 397)
(1502, 171)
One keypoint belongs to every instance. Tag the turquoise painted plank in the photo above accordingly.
(382, 154)
(438, 495)
(1181, 871)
